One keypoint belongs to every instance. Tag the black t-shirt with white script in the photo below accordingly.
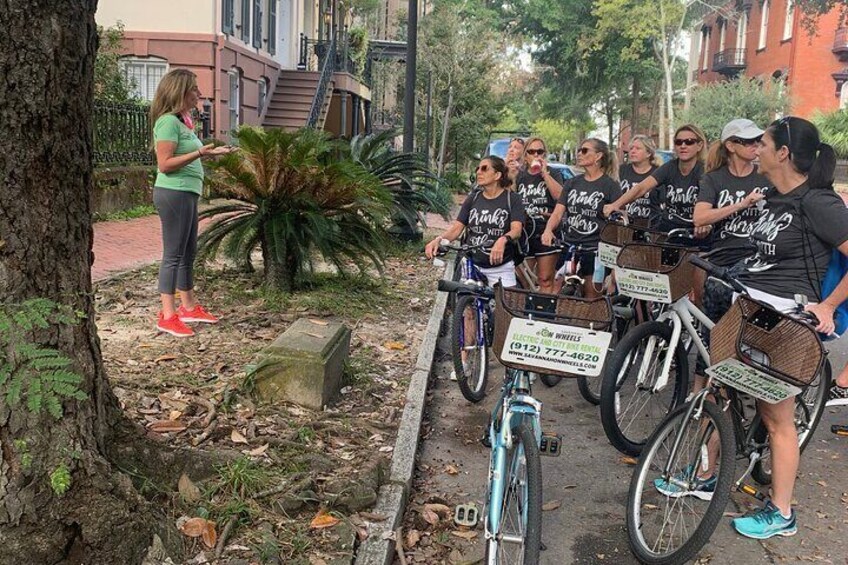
(486, 220)
(680, 193)
(646, 208)
(793, 254)
(731, 236)
(534, 192)
(584, 200)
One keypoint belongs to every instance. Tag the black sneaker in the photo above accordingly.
(838, 396)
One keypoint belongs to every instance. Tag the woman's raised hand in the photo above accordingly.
(212, 149)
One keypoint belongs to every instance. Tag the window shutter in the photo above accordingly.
(245, 21)
(228, 16)
(257, 24)
(272, 26)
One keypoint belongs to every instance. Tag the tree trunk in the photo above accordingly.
(445, 130)
(634, 109)
(47, 55)
(278, 273)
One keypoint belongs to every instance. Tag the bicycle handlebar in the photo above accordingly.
(717, 272)
(452, 286)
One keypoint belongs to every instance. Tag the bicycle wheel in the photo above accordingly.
(672, 526)
(809, 408)
(469, 349)
(550, 380)
(590, 387)
(630, 408)
(519, 532)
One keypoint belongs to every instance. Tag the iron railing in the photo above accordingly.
(312, 55)
(729, 59)
(121, 134)
(327, 59)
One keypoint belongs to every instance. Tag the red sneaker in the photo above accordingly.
(174, 326)
(196, 315)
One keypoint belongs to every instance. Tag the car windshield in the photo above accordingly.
(499, 147)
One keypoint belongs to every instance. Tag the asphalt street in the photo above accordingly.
(586, 487)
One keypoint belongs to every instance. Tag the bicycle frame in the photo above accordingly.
(514, 406)
(471, 274)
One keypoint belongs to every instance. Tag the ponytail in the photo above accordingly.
(609, 162)
(822, 172)
(717, 157)
(807, 154)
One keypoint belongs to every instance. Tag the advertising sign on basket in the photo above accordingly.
(736, 374)
(568, 349)
(642, 285)
(608, 253)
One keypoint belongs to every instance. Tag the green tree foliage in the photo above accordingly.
(110, 82)
(296, 197)
(713, 105)
(833, 127)
(811, 10)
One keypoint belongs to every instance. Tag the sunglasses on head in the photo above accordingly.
(535, 151)
(688, 141)
(785, 121)
(745, 142)
(518, 139)
(482, 168)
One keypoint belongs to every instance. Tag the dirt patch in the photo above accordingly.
(294, 480)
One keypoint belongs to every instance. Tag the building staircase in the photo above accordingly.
(292, 99)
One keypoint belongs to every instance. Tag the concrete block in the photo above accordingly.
(305, 364)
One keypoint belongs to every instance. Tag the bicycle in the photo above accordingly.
(471, 329)
(760, 352)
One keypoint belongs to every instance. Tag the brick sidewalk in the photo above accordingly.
(124, 245)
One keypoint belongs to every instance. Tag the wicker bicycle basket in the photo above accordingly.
(771, 342)
(513, 303)
(670, 260)
(618, 234)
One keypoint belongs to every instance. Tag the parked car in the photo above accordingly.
(665, 154)
(568, 171)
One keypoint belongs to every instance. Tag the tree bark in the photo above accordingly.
(634, 109)
(47, 53)
(445, 130)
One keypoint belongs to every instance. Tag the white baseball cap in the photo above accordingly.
(741, 128)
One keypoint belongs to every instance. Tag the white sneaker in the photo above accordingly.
(838, 396)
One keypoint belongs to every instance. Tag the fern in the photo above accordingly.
(39, 375)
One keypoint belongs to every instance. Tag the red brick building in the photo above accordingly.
(765, 38)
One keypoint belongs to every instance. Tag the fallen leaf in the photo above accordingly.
(394, 345)
(412, 538)
(371, 517)
(389, 534)
(465, 534)
(259, 450)
(193, 527)
(552, 505)
(209, 536)
(821, 484)
(148, 411)
(440, 509)
(310, 334)
(362, 534)
(237, 437)
(188, 490)
(166, 426)
(323, 520)
(627, 460)
(429, 516)
(386, 449)
(319, 322)
(166, 357)
(451, 470)
(175, 415)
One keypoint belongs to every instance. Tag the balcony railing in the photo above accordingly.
(729, 61)
(312, 54)
(840, 44)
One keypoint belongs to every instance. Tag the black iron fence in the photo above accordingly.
(121, 134)
(312, 53)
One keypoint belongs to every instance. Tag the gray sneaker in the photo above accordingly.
(838, 396)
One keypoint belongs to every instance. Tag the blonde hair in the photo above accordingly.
(609, 162)
(530, 141)
(650, 147)
(692, 128)
(718, 156)
(171, 93)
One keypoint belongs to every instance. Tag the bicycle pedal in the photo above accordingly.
(751, 491)
(466, 515)
(550, 445)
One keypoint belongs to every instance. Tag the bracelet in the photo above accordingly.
(199, 154)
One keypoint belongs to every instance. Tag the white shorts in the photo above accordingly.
(504, 273)
(783, 305)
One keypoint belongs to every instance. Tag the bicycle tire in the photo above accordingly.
(639, 510)
(550, 380)
(626, 357)
(524, 441)
(475, 390)
(816, 402)
(590, 387)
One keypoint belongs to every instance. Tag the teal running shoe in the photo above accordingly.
(765, 523)
(704, 488)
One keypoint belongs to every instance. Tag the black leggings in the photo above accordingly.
(178, 213)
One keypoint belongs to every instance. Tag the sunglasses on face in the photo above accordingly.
(584, 150)
(535, 151)
(688, 141)
(483, 168)
(745, 142)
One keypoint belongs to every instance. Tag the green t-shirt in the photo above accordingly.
(190, 177)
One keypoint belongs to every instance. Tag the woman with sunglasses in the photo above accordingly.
(642, 161)
(677, 182)
(581, 200)
(539, 188)
(492, 217)
(803, 222)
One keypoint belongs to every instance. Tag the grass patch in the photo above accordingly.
(241, 478)
(135, 212)
(348, 297)
(361, 368)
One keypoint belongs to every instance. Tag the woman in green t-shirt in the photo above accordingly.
(178, 186)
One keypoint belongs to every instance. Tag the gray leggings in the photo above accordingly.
(178, 213)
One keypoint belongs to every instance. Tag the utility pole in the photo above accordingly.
(409, 95)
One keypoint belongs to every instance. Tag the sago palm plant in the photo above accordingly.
(296, 198)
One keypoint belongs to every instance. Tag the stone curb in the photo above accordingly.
(392, 498)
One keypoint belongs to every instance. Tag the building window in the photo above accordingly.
(705, 42)
(228, 12)
(843, 96)
(742, 30)
(144, 73)
(234, 103)
(257, 23)
(764, 16)
(245, 21)
(263, 94)
(722, 35)
(272, 26)
(790, 19)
